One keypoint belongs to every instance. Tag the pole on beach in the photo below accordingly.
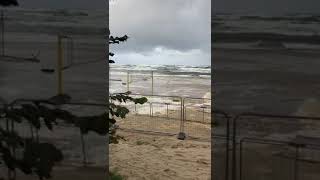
(128, 81)
(151, 82)
(59, 67)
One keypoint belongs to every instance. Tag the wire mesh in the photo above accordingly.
(274, 166)
(167, 114)
(159, 114)
(265, 158)
(197, 117)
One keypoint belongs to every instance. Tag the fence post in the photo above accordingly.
(203, 114)
(181, 134)
(150, 109)
(167, 109)
(296, 163)
(234, 150)
(151, 82)
(127, 80)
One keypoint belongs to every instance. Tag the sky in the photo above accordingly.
(162, 31)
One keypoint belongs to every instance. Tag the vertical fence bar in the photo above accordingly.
(296, 163)
(84, 153)
(13, 149)
(203, 114)
(181, 135)
(240, 160)
(150, 109)
(167, 109)
(234, 149)
(227, 148)
(151, 82)
(128, 81)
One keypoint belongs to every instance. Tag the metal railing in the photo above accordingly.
(259, 123)
(166, 114)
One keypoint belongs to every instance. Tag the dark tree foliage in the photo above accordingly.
(29, 155)
(39, 157)
(116, 109)
(8, 3)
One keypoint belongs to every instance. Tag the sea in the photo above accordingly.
(170, 80)
(256, 31)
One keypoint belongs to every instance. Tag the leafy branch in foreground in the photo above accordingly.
(115, 109)
(27, 153)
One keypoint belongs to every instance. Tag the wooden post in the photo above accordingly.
(60, 65)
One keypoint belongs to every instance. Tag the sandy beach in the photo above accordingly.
(154, 157)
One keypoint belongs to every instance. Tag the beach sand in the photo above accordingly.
(151, 150)
(154, 157)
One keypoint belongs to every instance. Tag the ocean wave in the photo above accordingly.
(164, 69)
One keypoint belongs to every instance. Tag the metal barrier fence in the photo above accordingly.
(264, 146)
(282, 167)
(167, 114)
(161, 114)
(197, 117)
(221, 143)
(269, 146)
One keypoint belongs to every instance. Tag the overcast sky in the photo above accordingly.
(162, 31)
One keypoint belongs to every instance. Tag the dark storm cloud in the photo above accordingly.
(267, 6)
(179, 25)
